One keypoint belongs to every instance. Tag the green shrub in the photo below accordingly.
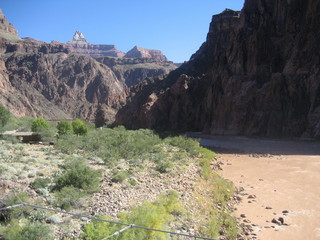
(112, 144)
(79, 127)
(164, 167)
(39, 125)
(78, 175)
(68, 197)
(40, 183)
(221, 221)
(151, 215)
(30, 231)
(132, 182)
(17, 212)
(64, 127)
(189, 145)
(4, 116)
(223, 190)
(119, 176)
(98, 230)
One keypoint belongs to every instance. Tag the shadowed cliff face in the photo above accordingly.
(256, 74)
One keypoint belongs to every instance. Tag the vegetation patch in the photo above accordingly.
(79, 172)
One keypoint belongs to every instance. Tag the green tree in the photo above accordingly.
(79, 127)
(64, 127)
(4, 116)
(39, 125)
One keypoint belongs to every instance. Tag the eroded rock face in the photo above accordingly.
(80, 45)
(132, 71)
(256, 74)
(138, 52)
(74, 84)
(7, 27)
(41, 79)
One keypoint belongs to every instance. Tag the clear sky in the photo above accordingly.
(176, 27)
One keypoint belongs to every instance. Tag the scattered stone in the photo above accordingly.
(252, 197)
(268, 207)
(246, 221)
(243, 215)
(285, 211)
(281, 220)
(239, 198)
(261, 179)
(276, 221)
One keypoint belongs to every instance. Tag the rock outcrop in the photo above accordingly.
(256, 74)
(80, 45)
(132, 71)
(7, 30)
(138, 52)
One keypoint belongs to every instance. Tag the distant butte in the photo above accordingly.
(79, 44)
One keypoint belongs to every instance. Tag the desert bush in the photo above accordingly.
(64, 127)
(189, 145)
(119, 176)
(40, 183)
(97, 230)
(221, 222)
(79, 127)
(152, 215)
(30, 231)
(39, 125)
(22, 124)
(164, 167)
(68, 197)
(112, 144)
(4, 116)
(17, 212)
(38, 216)
(223, 190)
(78, 175)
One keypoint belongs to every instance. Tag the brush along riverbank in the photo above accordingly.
(134, 177)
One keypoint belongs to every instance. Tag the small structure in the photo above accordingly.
(26, 137)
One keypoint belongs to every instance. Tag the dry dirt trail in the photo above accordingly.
(277, 177)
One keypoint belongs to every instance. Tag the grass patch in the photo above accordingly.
(150, 214)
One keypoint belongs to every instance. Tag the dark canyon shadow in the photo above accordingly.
(249, 145)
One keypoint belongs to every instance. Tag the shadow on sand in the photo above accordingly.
(248, 145)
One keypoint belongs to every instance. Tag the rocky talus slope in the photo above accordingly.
(256, 74)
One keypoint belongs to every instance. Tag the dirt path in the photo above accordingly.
(276, 176)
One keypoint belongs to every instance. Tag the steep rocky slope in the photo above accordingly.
(132, 71)
(256, 74)
(41, 79)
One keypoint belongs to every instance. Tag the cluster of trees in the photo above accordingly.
(64, 127)
(40, 125)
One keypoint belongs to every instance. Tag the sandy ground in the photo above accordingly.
(279, 176)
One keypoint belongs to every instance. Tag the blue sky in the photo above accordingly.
(176, 27)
